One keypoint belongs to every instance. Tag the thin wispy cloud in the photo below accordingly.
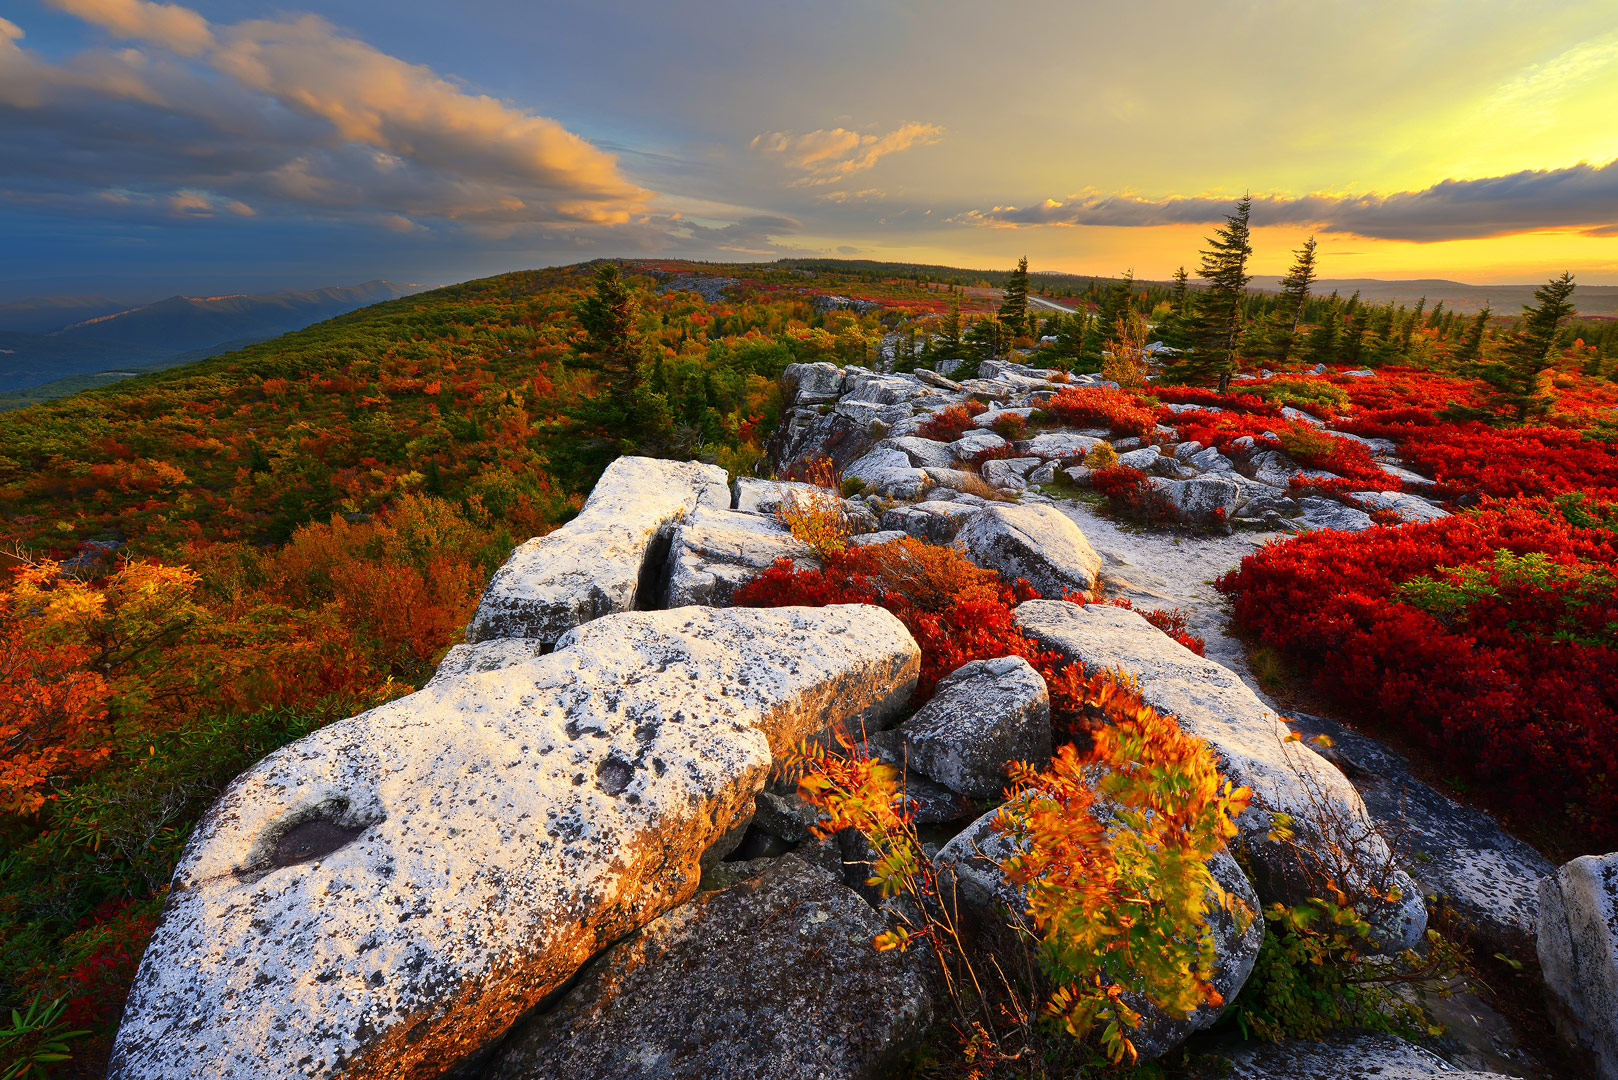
(1581, 197)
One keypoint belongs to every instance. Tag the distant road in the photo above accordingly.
(1050, 306)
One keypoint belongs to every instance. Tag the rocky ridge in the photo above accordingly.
(500, 871)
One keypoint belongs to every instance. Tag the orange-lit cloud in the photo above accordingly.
(439, 151)
(830, 155)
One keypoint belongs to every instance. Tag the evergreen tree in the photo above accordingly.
(1471, 346)
(1516, 377)
(948, 346)
(1014, 306)
(1320, 347)
(1295, 286)
(1217, 323)
(608, 316)
(1171, 329)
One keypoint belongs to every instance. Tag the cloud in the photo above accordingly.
(1580, 197)
(175, 28)
(282, 115)
(829, 155)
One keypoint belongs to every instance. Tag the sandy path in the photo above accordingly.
(1166, 570)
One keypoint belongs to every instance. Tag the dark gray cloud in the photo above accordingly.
(1582, 197)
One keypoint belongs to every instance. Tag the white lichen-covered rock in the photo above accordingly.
(985, 714)
(1209, 460)
(599, 562)
(1065, 446)
(1144, 458)
(384, 897)
(771, 979)
(1274, 468)
(716, 552)
(969, 876)
(1212, 703)
(812, 384)
(992, 416)
(755, 496)
(935, 522)
(1322, 513)
(923, 453)
(1037, 543)
(1201, 498)
(1405, 476)
(1008, 474)
(1578, 952)
(1409, 507)
(887, 471)
(975, 442)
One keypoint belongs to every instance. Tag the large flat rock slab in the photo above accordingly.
(771, 979)
(1212, 703)
(1488, 877)
(1340, 1056)
(386, 896)
(602, 561)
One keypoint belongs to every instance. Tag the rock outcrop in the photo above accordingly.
(715, 552)
(603, 561)
(386, 896)
(1212, 703)
(771, 979)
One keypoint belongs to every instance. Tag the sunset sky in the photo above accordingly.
(229, 145)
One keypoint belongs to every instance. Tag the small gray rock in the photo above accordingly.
(985, 714)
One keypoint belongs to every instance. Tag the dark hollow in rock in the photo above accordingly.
(614, 774)
(311, 840)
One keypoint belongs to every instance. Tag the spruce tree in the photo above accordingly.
(1014, 306)
(1295, 286)
(948, 346)
(1516, 377)
(1217, 323)
(1471, 346)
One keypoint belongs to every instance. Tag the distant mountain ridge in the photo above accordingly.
(1591, 300)
(54, 338)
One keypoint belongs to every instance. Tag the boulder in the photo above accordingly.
(602, 560)
(923, 453)
(1298, 416)
(882, 537)
(1008, 474)
(935, 522)
(1143, 459)
(985, 713)
(385, 896)
(1274, 468)
(988, 418)
(1578, 952)
(1068, 446)
(771, 979)
(969, 876)
(888, 472)
(1202, 498)
(1210, 460)
(1361, 373)
(1405, 476)
(1038, 543)
(756, 496)
(878, 389)
(934, 379)
(1409, 507)
(716, 552)
(953, 480)
(1212, 703)
(975, 442)
(1322, 513)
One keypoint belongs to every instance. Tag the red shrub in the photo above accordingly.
(1198, 395)
(949, 424)
(1117, 410)
(1513, 677)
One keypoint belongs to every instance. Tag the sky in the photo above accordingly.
(223, 145)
